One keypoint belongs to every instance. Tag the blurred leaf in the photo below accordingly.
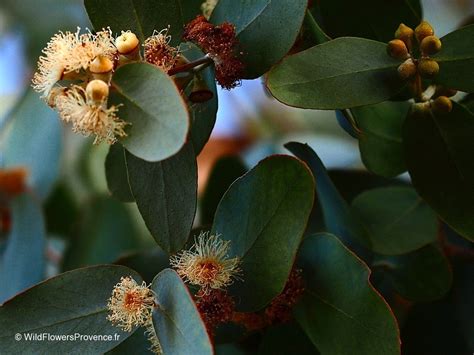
(176, 320)
(338, 216)
(155, 109)
(345, 123)
(22, 263)
(117, 175)
(166, 195)
(266, 29)
(341, 312)
(372, 19)
(380, 142)
(105, 231)
(456, 60)
(438, 152)
(398, 221)
(286, 339)
(33, 140)
(147, 263)
(61, 209)
(421, 276)
(70, 303)
(223, 174)
(142, 16)
(358, 70)
(137, 343)
(203, 114)
(264, 215)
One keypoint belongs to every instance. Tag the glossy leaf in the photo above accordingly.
(223, 174)
(343, 73)
(166, 195)
(438, 152)
(142, 16)
(421, 276)
(264, 215)
(32, 125)
(338, 218)
(105, 231)
(372, 19)
(154, 108)
(380, 141)
(22, 263)
(70, 303)
(177, 321)
(266, 29)
(341, 312)
(117, 175)
(398, 221)
(456, 60)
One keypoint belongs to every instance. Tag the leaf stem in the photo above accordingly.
(197, 65)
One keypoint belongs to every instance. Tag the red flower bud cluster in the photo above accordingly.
(216, 307)
(220, 43)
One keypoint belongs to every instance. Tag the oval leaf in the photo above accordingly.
(71, 303)
(380, 141)
(22, 264)
(266, 29)
(155, 109)
(166, 195)
(338, 218)
(33, 140)
(341, 312)
(456, 60)
(264, 215)
(177, 321)
(398, 221)
(343, 73)
(438, 152)
(117, 175)
(143, 16)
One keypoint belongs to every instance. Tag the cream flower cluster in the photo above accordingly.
(75, 72)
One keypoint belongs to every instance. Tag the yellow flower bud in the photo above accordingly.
(430, 45)
(404, 33)
(101, 65)
(97, 91)
(423, 30)
(442, 104)
(407, 69)
(397, 49)
(428, 68)
(126, 43)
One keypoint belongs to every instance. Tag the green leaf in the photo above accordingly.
(203, 115)
(155, 109)
(286, 339)
(166, 195)
(343, 73)
(22, 263)
(71, 303)
(137, 343)
(266, 29)
(117, 175)
(223, 174)
(380, 142)
(147, 262)
(372, 19)
(61, 210)
(177, 321)
(105, 231)
(142, 16)
(398, 221)
(421, 276)
(341, 312)
(438, 152)
(33, 140)
(264, 215)
(456, 60)
(338, 217)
